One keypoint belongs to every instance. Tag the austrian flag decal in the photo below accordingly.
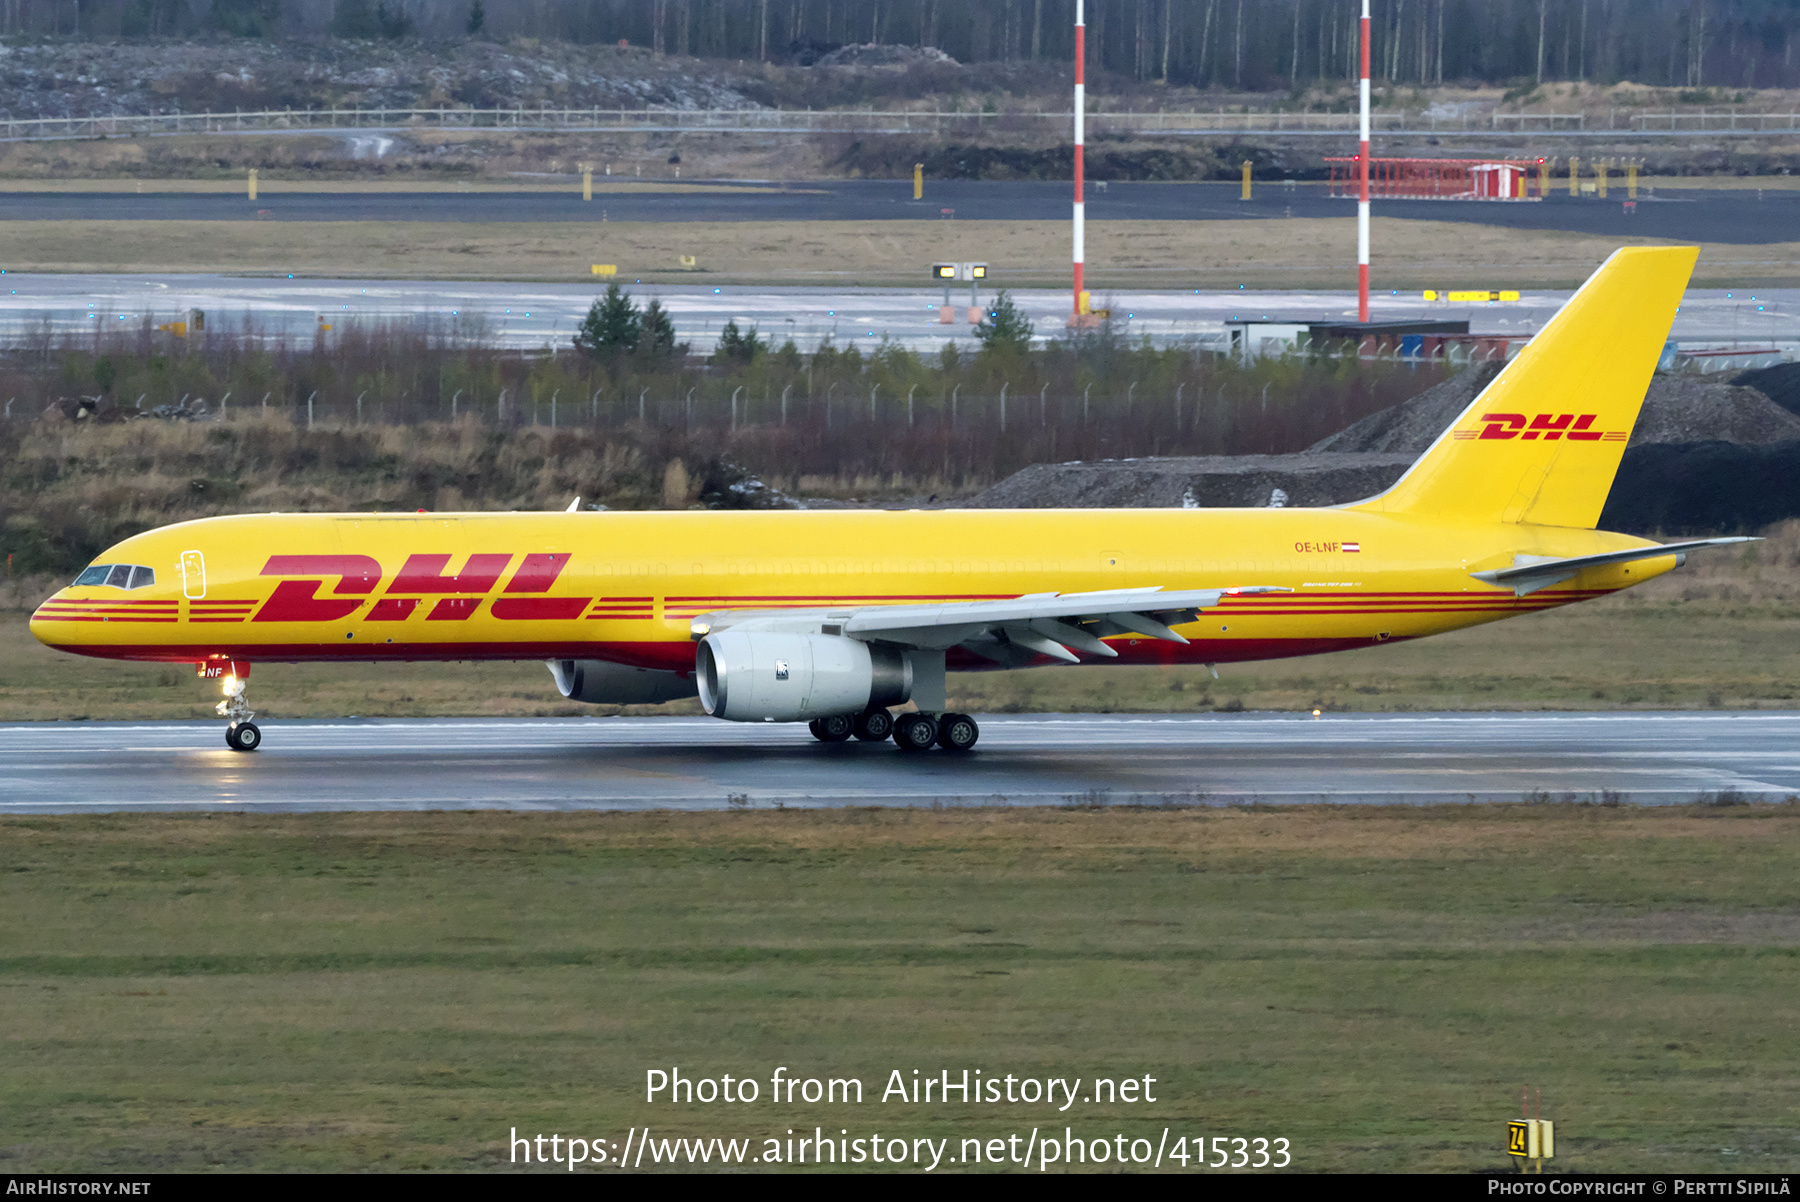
(1351, 547)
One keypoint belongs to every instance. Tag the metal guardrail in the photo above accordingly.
(1674, 121)
(798, 121)
(922, 121)
(1705, 122)
(1523, 121)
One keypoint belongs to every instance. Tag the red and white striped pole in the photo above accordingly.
(1362, 182)
(1080, 133)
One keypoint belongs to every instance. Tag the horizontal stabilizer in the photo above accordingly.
(1530, 573)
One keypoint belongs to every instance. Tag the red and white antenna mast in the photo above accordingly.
(1362, 180)
(1080, 131)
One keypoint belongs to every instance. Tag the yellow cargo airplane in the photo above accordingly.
(833, 617)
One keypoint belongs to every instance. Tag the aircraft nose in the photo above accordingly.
(42, 624)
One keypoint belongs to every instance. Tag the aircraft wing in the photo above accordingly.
(1012, 631)
(1530, 573)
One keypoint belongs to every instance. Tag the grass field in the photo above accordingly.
(1293, 253)
(399, 991)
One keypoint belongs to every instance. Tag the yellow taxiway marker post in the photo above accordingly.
(1574, 175)
(918, 181)
(1246, 195)
(1532, 1140)
(587, 183)
(1543, 178)
(1631, 179)
(252, 183)
(1600, 166)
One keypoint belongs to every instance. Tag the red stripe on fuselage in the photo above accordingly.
(679, 656)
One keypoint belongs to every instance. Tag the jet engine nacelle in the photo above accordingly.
(768, 676)
(599, 682)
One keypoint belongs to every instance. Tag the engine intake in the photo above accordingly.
(767, 676)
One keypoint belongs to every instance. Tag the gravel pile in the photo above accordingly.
(1780, 384)
(1214, 481)
(1411, 426)
(78, 79)
(1704, 455)
(1704, 488)
(1678, 408)
(882, 54)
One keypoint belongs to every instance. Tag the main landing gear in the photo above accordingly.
(241, 734)
(910, 732)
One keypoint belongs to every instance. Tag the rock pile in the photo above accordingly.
(78, 79)
(1705, 457)
(882, 54)
(1206, 482)
(1677, 408)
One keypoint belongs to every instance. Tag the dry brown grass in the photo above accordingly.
(1291, 253)
(1768, 571)
(1333, 832)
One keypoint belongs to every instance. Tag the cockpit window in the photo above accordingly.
(118, 575)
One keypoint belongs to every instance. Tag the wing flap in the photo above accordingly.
(1012, 631)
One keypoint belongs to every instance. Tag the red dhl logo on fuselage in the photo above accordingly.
(455, 597)
(1575, 427)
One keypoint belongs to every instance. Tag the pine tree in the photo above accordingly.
(737, 348)
(612, 327)
(1004, 328)
(656, 335)
(477, 18)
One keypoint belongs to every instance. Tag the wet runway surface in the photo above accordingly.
(1052, 759)
(531, 315)
(1742, 216)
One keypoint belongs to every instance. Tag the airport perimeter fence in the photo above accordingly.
(833, 412)
(937, 122)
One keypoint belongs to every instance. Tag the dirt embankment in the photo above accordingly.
(1207, 482)
(1705, 456)
(1677, 408)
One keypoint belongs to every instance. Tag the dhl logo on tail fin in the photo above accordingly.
(1542, 442)
(1548, 426)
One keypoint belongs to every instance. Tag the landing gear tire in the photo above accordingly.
(874, 725)
(915, 732)
(243, 736)
(834, 729)
(957, 732)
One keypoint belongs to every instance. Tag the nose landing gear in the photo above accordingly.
(241, 734)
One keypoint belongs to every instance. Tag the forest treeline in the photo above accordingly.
(101, 437)
(1253, 45)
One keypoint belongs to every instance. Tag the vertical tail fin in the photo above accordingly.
(1542, 442)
